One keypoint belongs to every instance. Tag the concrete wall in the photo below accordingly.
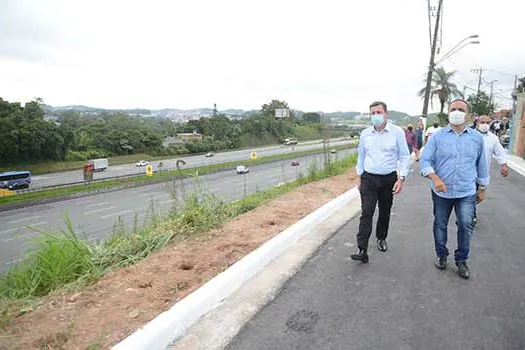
(518, 127)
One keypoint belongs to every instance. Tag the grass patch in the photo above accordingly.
(63, 260)
(138, 180)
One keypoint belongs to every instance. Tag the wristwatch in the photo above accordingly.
(482, 188)
(402, 178)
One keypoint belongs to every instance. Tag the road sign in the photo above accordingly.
(254, 156)
(149, 170)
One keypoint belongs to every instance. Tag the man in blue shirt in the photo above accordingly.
(454, 159)
(381, 147)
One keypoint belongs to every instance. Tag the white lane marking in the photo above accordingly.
(96, 204)
(116, 214)
(21, 236)
(14, 261)
(34, 233)
(155, 195)
(99, 210)
(7, 231)
(24, 219)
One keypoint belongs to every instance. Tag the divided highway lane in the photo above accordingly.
(94, 217)
(67, 177)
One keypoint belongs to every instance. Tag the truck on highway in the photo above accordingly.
(99, 164)
(290, 141)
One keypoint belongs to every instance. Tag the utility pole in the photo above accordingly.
(480, 71)
(491, 90)
(214, 110)
(431, 62)
(513, 98)
(464, 92)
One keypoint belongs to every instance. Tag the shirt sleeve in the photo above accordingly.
(499, 152)
(427, 160)
(361, 153)
(482, 165)
(403, 154)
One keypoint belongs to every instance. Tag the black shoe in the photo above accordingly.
(360, 256)
(463, 269)
(441, 263)
(381, 245)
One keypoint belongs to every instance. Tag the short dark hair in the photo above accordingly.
(461, 100)
(378, 103)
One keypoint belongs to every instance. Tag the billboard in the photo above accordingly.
(282, 113)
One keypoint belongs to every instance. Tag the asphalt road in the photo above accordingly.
(95, 217)
(400, 300)
(67, 177)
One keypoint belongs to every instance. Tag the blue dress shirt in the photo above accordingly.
(458, 160)
(380, 152)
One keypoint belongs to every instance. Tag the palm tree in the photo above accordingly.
(441, 87)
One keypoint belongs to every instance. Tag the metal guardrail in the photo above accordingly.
(128, 176)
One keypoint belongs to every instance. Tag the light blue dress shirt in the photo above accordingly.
(380, 152)
(458, 159)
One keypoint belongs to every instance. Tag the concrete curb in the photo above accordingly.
(172, 324)
(517, 164)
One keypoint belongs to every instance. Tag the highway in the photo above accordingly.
(67, 177)
(95, 217)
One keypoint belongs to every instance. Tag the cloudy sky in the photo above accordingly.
(317, 55)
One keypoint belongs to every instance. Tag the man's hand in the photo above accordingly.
(397, 187)
(480, 196)
(504, 170)
(439, 185)
(358, 182)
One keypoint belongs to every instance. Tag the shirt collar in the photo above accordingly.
(467, 129)
(388, 126)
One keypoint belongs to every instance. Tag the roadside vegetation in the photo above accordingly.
(163, 176)
(63, 260)
(36, 138)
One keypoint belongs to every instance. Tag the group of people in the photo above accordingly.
(456, 159)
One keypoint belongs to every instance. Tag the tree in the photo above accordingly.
(441, 87)
(481, 104)
(268, 110)
(312, 117)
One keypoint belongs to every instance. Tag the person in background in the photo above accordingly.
(419, 134)
(411, 138)
(454, 159)
(492, 148)
(381, 147)
(432, 130)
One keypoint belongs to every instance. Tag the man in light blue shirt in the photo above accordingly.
(381, 147)
(454, 159)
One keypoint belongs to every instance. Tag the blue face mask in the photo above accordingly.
(378, 119)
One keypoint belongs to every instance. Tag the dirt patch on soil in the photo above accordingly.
(101, 315)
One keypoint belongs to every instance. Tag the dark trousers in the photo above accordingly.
(374, 189)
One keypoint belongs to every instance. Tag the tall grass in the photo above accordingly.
(63, 259)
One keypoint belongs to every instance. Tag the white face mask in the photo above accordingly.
(456, 117)
(484, 128)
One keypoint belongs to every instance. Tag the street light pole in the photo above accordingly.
(431, 64)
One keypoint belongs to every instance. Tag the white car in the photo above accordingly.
(241, 169)
(142, 163)
(208, 155)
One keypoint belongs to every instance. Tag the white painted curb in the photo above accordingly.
(517, 164)
(171, 325)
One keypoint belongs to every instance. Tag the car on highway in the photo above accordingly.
(209, 154)
(333, 151)
(295, 163)
(142, 163)
(241, 169)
